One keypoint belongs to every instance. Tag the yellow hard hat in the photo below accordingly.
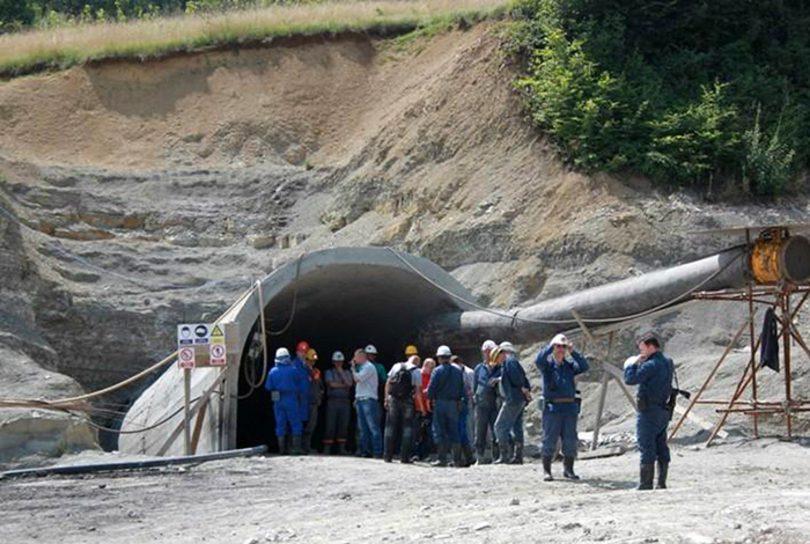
(410, 349)
(312, 355)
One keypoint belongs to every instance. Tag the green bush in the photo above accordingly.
(684, 92)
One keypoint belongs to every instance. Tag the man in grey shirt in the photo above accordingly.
(339, 383)
(368, 408)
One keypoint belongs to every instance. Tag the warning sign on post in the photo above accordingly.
(185, 357)
(217, 347)
(205, 345)
(192, 344)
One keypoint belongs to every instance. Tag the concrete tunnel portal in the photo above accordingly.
(339, 307)
(336, 299)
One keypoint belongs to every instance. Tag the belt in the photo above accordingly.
(565, 400)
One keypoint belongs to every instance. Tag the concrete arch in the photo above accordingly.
(357, 294)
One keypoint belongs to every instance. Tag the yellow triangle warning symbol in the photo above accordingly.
(217, 331)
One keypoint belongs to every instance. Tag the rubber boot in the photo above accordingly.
(646, 475)
(284, 445)
(547, 477)
(458, 456)
(341, 448)
(481, 457)
(388, 449)
(518, 458)
(469, 456)
(505, 454)
(306, 442)
(568, 472)
(496, 451)
(442, 460)
(296, 445)
(663, 468)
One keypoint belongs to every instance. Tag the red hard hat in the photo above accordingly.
(303, 345)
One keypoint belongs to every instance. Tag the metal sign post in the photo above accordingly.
(187, 410)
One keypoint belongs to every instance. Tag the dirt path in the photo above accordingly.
(748, 492)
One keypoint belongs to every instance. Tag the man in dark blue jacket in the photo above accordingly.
(285, 386)
(485, 398)
(653, 373)
(516, 394)
(446, 391)
(558, 363)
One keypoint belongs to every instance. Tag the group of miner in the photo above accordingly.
(444, 408)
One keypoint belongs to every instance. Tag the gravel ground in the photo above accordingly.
(747, 491)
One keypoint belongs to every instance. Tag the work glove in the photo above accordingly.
(630, 361)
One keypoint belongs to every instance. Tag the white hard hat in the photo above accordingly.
(507, 346)
(443, 351)
(371, 349)
(282, 352)
(560, 340)
(630, 361)
(488, 345)
(338, 356)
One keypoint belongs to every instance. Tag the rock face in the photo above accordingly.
(146, 194)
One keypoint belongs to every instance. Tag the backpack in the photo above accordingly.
(401, 386)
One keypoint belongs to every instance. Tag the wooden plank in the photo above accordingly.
(179, 429)
(609, 451)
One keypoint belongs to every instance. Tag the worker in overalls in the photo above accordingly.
(653, 372)
(285, 387)
(558, 364)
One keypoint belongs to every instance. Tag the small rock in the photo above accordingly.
(253, 540)
(514, 502)
(482, 526)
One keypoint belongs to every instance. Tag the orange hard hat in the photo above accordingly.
(302, 346)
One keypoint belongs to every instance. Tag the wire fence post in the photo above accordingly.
(187, 409)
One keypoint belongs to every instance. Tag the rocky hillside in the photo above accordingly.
(151, 193)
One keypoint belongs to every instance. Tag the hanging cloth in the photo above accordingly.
(769, 342)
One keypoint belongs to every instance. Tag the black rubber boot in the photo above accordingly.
(568, 472)
(496, 451)
(306, 441)
(518, 458)
(547, 477)
(663, 468)
(506, 454)
(341, 448)
(458, 456)
(646, 475)
(284, 445)
(388, 450)
(469, 456)
(296, 445)
(442, 460)
(481, 457)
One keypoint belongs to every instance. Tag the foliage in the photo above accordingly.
(684, 92)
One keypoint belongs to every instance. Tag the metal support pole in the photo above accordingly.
(187, 410)
(602, 395)
(751, 334)
(787, 326)
(708, 380)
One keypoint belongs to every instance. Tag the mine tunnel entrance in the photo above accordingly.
(338, 307)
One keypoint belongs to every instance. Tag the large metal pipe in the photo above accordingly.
(624, 300)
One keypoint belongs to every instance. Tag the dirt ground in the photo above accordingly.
(746, 491)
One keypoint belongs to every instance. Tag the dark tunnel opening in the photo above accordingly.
(340, 307)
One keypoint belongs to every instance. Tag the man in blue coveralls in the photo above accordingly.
(446, 390)
(285, 386)
(516, 392)
(558, 363)
(485, 396)
(652, 372)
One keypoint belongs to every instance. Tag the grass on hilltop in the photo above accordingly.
(62, 47)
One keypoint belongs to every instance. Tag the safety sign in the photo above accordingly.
(186, 357)
(217, 347)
